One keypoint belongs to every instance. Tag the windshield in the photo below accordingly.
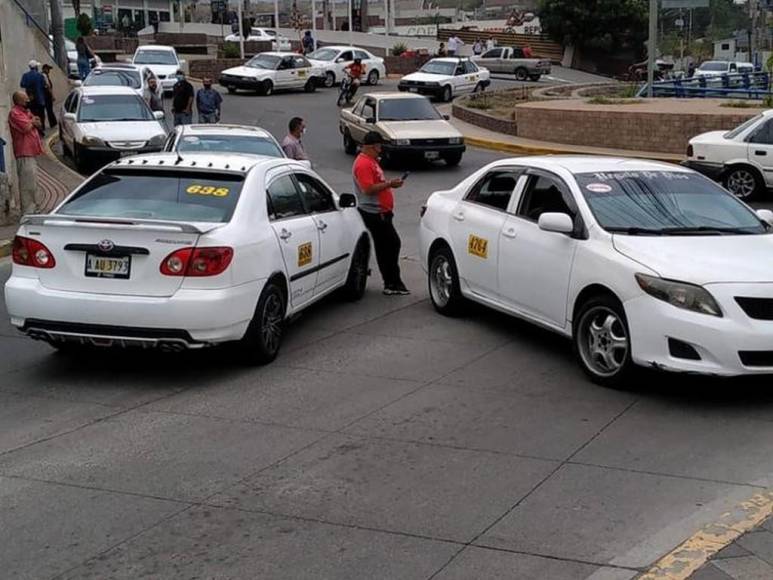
(266, 61)
(323, 54)
(665, 202)
(742, 127)
(419, 109)
(155, 57)
(714, 66)
(439, 67)
(100, 108)
(115, 78)
(160, 195)
(230, 144)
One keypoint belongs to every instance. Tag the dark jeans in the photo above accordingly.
(386, 241)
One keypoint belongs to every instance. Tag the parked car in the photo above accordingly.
(717, 68)
(158, 252)
(120, 75)
(334, 59)
(162, 60)
(639, 263)
(270, 71)
(511, 60)
(742, 159)
(103, 123)
(410, 124)
(218, 138)
(445, 78)
(279, 43)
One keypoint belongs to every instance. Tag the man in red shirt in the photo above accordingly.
(26, 147)
(376, 205)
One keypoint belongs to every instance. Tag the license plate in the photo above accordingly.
(431, 155)
(413, 90)
(108, 267)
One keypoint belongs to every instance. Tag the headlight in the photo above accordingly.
(157, 140)
(401, 142)
(456, 140)
(92, 141)
(680, 294)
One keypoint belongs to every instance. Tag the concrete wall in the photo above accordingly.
(19, 42)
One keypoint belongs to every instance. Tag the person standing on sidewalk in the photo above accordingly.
(35, 85)
(49, 96)
(27, 146)
(208, 103)
(291, 144)
(182, 100)
(376, 206)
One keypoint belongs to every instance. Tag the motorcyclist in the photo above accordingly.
(355, 71)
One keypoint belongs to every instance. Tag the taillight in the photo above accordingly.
(689, 151)
(197, 262)
(29, 252)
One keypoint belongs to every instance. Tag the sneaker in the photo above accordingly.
(390, 291)
(401, 289)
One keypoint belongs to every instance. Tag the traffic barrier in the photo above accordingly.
(737, 86)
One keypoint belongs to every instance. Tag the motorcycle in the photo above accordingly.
(346, 91)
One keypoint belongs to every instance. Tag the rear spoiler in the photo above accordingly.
(60, 220)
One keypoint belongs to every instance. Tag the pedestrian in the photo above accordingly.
(49, 95)
(182, 100)
(477, 48)
(491, 43)
(25, 138)
(307, 42)
(441, 51)
(376, 206)
(528, 52)
(153, 96)
(208, 103)
(292, 144)
(34, 84)
(84, 57)
(454, 44)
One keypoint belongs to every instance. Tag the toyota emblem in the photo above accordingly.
(105, 245)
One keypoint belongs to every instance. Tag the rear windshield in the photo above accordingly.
(115, 78)
(714, 66)
(230, 144)
(157, 195)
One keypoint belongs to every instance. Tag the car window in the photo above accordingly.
(151, 56)
(357, 110)
(251, 145)
(68, 102)
(517, 53)
(361, 54)
(743, 127)
(300, 62)
(495, 53)
(316, 196)
(283, 199)
(495, 189)
(74, 104)
(764, 134)
(459, 70)
(369, 109)
(114, 78)
(346, 55)
(469, 67)
(287, 63)
(103, 108)
(543, 195)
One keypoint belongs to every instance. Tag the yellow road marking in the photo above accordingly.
(696, 550)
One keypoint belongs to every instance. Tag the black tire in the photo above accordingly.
(479, 88)
(266, 89)
(261, 342)
(350, 145)
(310, 86)
(231, 91)
(65, 150)
(357, 278)
(453, 159)
(443, 281)
(373, 78)
(330, 79)
(81, 159)
(534, 78)
(602, 342)
(448, 94)
(744, 182)
(521, 74)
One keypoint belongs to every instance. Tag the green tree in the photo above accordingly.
(605, 24)
(84, 25)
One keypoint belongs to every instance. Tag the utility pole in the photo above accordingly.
(652, 47)
(241, 30)
(57, 31)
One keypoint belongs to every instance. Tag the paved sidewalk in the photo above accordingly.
(750, 557)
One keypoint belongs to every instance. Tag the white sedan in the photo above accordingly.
(217, 138)
(155, 251)
(334, 59)
(445, 78)
(162, 60)
(278, 43)
(270, 71)
(135, 77)
(640, 263)
(105, 122)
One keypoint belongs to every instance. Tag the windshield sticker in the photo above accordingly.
(191, 139)
(617, 175)
(304, 254)
(477, 247)
(598, 187)
(208, 190)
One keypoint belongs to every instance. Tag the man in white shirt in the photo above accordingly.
(491, 43)
(454, 44)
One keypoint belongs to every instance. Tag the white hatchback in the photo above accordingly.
(640, 263)
(186, 252)
(334, 59)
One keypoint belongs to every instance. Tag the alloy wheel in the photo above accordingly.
(741, 183)
(603, 341)
(441, 281)
(271, 323)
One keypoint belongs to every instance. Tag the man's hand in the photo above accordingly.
(396, 183)
(36, 122)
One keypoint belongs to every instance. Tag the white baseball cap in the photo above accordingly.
(34, 64)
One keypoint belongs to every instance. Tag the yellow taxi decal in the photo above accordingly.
(472, 78)
(301, 73)
(304, 254)
(477, 247)
(207, 190)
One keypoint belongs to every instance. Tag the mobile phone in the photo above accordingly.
(405, 176)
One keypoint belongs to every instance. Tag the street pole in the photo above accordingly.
(652, 47)
(57, 31)
(386, 17)
(351, 24)
(314, 24)
(241, 29)
(276, 20)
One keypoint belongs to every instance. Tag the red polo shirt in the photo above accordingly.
(367, 172)
(24, 135)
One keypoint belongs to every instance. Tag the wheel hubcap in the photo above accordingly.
(603, 341)
(741, 183)
(441, 281)
(329, 80)
(271, 323)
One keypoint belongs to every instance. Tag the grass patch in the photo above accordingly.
(739, 104)
(603, 100)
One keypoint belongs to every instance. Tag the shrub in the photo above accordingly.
(84, 25)
(231, 50)
(399, 48)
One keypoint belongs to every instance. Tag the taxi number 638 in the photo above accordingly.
(477, 246)
(207, 190)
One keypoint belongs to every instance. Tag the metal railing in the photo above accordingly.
(754, 85)
(32, 21)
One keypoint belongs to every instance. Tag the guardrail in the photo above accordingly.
(738, 86)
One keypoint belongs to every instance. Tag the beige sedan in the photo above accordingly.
(411, 126)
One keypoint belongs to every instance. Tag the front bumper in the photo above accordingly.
(711, 170)
(167, 84)
(719, 342)
(426, 90)
(108, 150)
(189, 318)
(233, 82)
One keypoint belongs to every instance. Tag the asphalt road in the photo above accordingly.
(384, 442)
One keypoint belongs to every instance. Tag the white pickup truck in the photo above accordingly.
(511, 60)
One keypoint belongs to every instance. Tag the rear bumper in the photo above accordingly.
(420, 150)
(189, 318)
(711, 170)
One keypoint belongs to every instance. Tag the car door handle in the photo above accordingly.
(509, 233)
(322, 226)
(459, 216)
(761, 153)
(285, 235)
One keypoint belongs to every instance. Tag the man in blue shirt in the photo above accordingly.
(208, 102)
(34, 83)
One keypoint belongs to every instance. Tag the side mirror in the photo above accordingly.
(78, 83)
(69, 116)
(371, 120)
(158, 115)
(559, 223)
(765, 215)
(347, 200)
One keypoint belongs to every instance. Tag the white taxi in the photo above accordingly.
(334, 60)
(270, 71)
(446, 78)
(183, 252)
(162, 60)
(640, 263)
